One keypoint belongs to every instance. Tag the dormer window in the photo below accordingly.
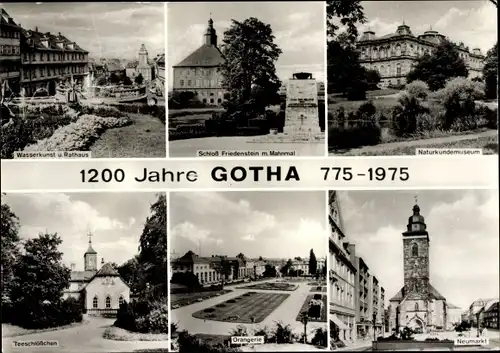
(71, 46)
(60, 45)
(45, 42)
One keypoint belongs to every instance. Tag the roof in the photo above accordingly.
(132, 64)
(57, 42)
(451, 306)
(206, 55)
(81, 276)
(490, 306)
(191, 258)
(90, 250)
(107, 270)
(433, 294)
(5, 19)
(114, 67)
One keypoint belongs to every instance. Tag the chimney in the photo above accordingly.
(36, 29)
(102, 261)
(73, 265)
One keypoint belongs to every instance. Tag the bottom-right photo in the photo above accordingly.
(414, 270)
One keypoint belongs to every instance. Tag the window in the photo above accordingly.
(189, 83)
(182, 82)
(95, 302)
(211, 101)
(121, 300)
(416, 306)
(108, 302)
(414, 250)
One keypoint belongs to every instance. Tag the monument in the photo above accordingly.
(301, 113)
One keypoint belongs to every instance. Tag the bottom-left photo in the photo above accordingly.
(84, 272)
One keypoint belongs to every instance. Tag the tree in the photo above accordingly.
(10, 241)
(129, 272)
(260, 258)
(152, 260)
(139, 79)
(114, 78)
(435, 69)
(127, 81)
(490, 72)
(286, 267)
(345, 13)
(249, 55)
(313, 263)
(270, 271)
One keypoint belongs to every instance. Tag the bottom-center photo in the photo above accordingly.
(248, 271)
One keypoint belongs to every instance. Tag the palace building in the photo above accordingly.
(394, 54)
(199, 71)
(418, 304)
(102, 290)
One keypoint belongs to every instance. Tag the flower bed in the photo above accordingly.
(79, 135)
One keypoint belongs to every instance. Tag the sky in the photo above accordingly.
(268, 224)
(463, 231)
(112, 30)
(472, 22)
(116, 221)
(298, 27)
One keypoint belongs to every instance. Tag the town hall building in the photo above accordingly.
(393, 55)
(102, 290)
(418, 305)
(199, 71)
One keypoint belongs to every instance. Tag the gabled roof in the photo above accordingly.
(490, 306)
(206, 55)
(451, 306)
(5, 19)
(81, 276)
(433, 294)
(160, 59)
(107, 270)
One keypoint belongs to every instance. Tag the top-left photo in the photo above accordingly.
(82, 80)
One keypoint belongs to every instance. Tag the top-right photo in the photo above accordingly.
(412, 78)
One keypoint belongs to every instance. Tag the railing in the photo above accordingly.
(102, 312)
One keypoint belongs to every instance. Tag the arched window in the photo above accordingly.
(108, 302)
(416, 306)
(414, 250)
(398, 70)
(95, 302)
(398, 50)
(121, 300)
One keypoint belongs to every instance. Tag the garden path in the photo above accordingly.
(424, 142)
(145, 138)
(80, 339)
(286, 312)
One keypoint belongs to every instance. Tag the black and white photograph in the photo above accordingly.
(84, 272)
(248, 265)
(83, 80)
(412, 77)
(413, 270)
(246, 79)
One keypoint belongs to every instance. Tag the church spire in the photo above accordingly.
(210, 34)
(90, 256)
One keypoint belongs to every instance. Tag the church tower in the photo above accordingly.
(90, 257)
(210, 35)
(416, 255)
(143, 56)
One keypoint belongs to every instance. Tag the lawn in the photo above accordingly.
(243, 308)
(489, 145)
(145, 138)
(119, 334)
(183, 299)
(271, 286)
(305, 307)
(321, 289)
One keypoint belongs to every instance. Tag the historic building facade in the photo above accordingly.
(199, 71)
(418, 304)
(48, 60)
(101, 290)
(491, 315)
(10, 52)
(342, 277)
(394, 54)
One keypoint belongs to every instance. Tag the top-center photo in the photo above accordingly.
(246, 79)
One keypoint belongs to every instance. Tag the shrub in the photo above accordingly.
(125, 317)
(489, 116)
(418, 89)
(404, 115)
(281, 334)
(314, 310)
(190, 343)
(209, 310)
(155, 321)
(366, 111)
(458, 97)
(78, 136)
(320, 337)
(231, 301)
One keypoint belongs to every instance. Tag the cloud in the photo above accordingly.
(248, 237)
(191, 232)
(463, 231)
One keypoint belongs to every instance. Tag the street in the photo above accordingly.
(87, 338)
